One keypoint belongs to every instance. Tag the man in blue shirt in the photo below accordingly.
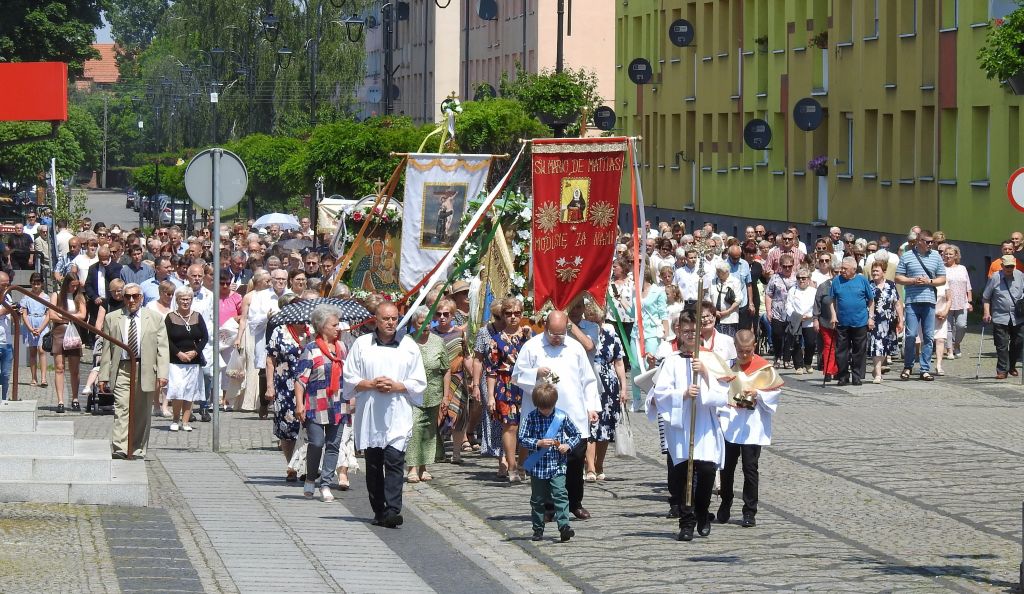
(853, 302)
(920, 270)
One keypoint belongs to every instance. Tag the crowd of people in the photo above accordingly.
(544, 395)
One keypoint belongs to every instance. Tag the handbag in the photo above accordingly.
(72, 340)
(47, 342)
(624, 443)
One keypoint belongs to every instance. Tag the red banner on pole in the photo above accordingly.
(575, 212)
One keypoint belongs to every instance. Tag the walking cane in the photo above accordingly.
(977, 368)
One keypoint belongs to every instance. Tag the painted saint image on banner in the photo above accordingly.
(575, 199)
(443, 203)
(375, 263)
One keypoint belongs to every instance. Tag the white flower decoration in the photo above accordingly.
(524, 234)
(560, 261)
(527, 213)
(578, 260)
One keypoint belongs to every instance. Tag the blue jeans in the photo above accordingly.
(6, 359)
(920, 319)
(204, 405)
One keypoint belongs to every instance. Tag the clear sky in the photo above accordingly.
(103, 35)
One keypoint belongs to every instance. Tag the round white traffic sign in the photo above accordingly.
(232, 178)
(1015, 189)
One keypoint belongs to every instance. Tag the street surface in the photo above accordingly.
(902, 486)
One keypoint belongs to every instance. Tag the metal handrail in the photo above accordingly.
(85, 326)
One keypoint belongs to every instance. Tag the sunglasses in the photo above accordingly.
(133, 296)
(787, 266)
(443, 314)
(803, 278)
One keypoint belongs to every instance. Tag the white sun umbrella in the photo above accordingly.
(284, 221)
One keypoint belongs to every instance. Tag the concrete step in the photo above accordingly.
(55, 438)
(18, 416)
(127, 486)
(90, 462)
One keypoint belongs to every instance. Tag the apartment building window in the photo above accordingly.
(724, 40)
(846, 16)
(950, 14)
(907, 143)
(705, 40)
(705, 140)
(926, 145)
(722, 162)
(885, 149)
(847, 144)
(777, 18)
(871, 142)
(907, 17)
(872, 16)
(800, 20)
(981, 162)
(677, 138)
(948, 144)
(776, 157)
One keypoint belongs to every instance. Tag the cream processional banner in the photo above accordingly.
(437, 192)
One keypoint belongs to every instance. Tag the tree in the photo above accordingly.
(554, 96)
(22, 163)
(172, 180)
(264, 157)
(50, 30)
(494, 126)
(351, 155)
(88, 135)
(133, 23)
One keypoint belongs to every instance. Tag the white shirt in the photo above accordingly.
(801, 301)
(666, 401)
(63, 238)
(577, 385)
(686, 279)
(819, 278)
(202, 302)
(384, 418)
(83, 261)
(31, 229)
(751, 427)
(101, 281)
(138, 333)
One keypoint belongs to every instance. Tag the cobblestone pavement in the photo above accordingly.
(898, 486)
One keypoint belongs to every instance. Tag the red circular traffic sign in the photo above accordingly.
(1015, 189)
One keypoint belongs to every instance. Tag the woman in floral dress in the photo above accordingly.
(608, 362)
(505, 399)
(888, 317)
(456, 407)
(423, 444)
(284, 349)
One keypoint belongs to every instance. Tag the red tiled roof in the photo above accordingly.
(103, 70)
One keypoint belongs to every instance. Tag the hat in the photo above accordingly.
(458, 287)
(1009, 260)
(263, 231)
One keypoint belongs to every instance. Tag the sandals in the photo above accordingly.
(426, 476)
(926, 377)
(905, 376)
(412, 477)
(591, 477)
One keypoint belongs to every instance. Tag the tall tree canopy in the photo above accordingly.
(50, 30)
(133, 23)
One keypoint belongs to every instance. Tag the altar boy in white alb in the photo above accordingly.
(671, 400)
(385, 374)
(747, 424)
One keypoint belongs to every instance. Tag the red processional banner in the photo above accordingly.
(575, 215)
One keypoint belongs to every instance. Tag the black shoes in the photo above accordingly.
(76, 406)
(685, 534)
(748, 521)
(392, 521)
(723, 514)
(60, 408)
(538, 535)
(566, 532)
(704, 524)
(581, 513)
(205, 416)
(673, 511)
(843, 382)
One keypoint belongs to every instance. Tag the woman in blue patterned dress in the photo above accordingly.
(284, 349)
(504, 398)
(888, 315)
(608, 363)
(489, 428)
(35, 327)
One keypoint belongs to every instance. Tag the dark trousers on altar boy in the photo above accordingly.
(696, 516)
(749, 454)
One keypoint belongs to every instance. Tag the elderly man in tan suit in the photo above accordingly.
(144, 332)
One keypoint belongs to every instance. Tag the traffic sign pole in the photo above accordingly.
(215, 388)
(215, 183)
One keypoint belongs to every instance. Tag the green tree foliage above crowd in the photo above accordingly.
(78, 144)
(49, 30)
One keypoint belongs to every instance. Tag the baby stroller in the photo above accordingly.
(99, 403)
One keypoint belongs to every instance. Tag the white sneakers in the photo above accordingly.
(186, 427)
(174, 427)
(325, 495)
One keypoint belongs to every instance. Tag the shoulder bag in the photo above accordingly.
(935, 291)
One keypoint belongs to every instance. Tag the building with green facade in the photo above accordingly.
(913, 132)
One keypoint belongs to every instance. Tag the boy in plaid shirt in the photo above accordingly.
(549, 434)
